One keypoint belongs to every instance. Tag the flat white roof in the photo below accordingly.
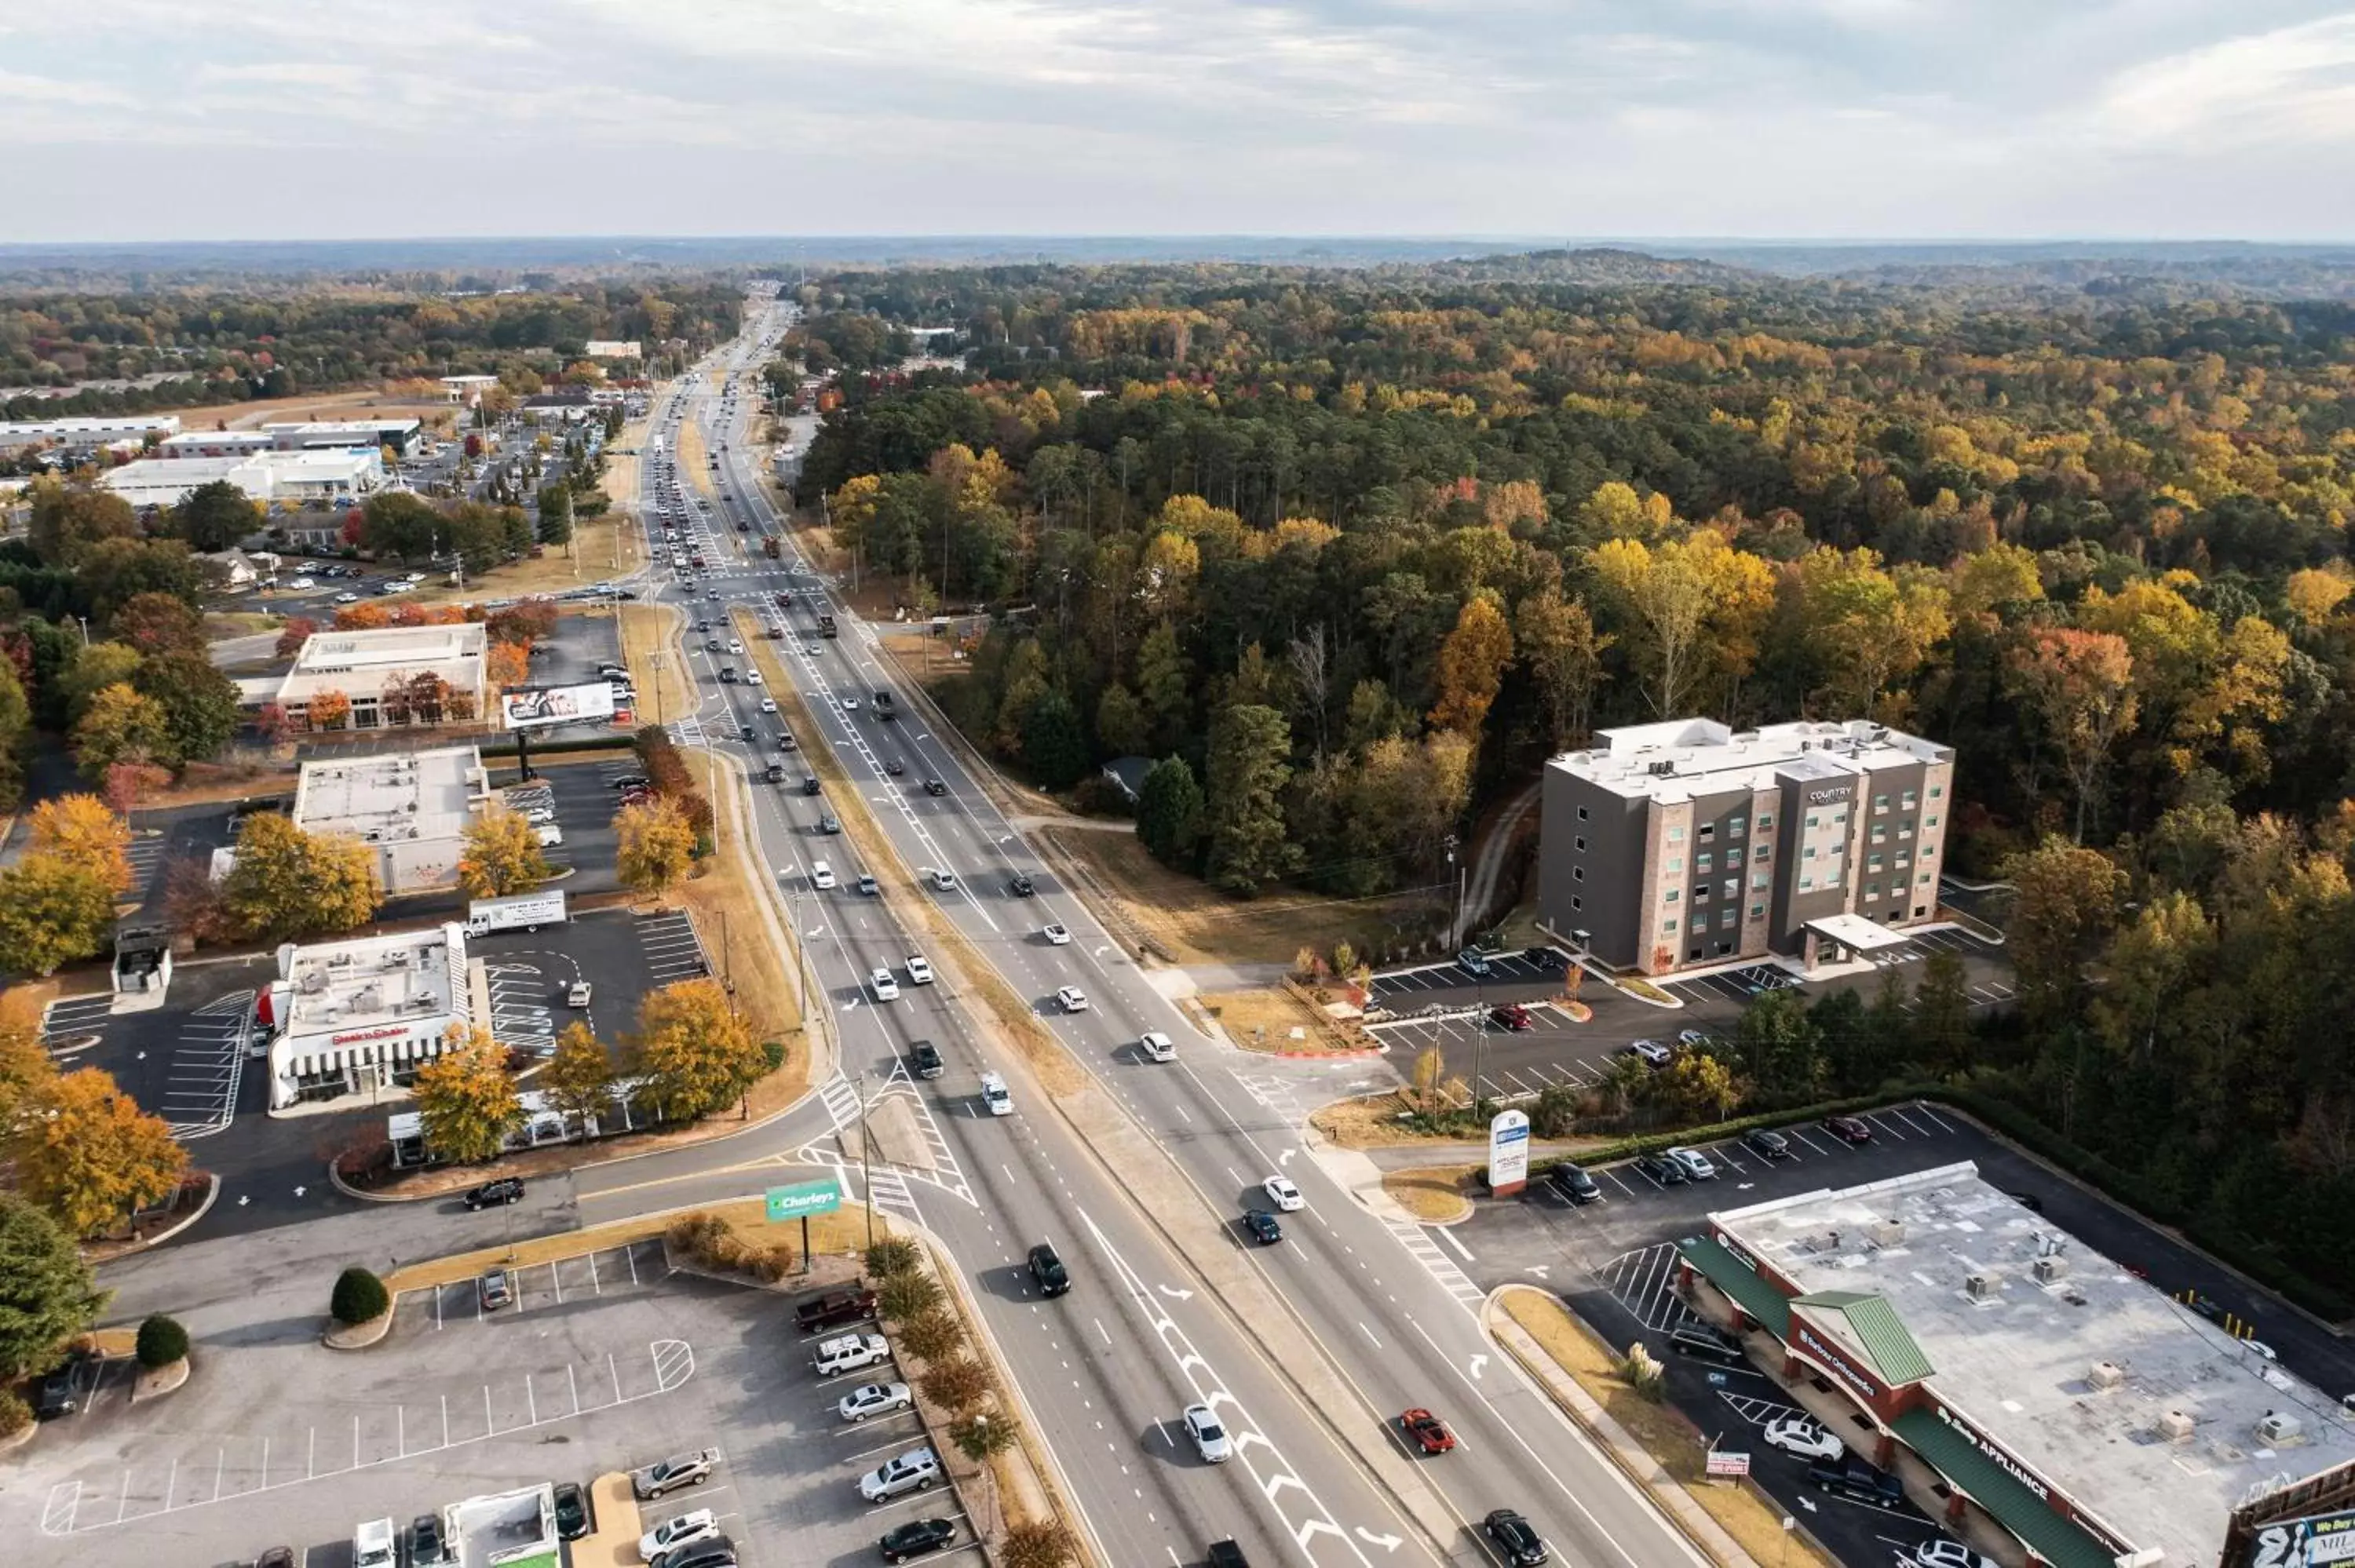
(2017, 1359)
(1856, 931)
(1680, 758)
(397, 799)
(359, 663)
(361, 429)
(368, 982)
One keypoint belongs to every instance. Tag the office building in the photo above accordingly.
(86, 434)
(324, 478)
(384, 671)
(412, 808)
(1687, 842)
(339, 435)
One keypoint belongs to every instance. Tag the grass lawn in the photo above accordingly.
(1268, 1020)
(1749, 1516)
(841, 1232)
(220, 623)
(1438, 1195)
(370, 402)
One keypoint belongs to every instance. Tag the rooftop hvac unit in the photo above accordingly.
(2105, 1375)
(2278, 1428)
(2050, 1268)
(1983, 1286)
(2174, 1426)
(368, 999)
(1886, 1233)
(311, 982)
(1662, 769)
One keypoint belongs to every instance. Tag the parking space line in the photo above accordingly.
(1875, 1119)
(1800, 1133)
(1926, 1110)
(1899, 1112)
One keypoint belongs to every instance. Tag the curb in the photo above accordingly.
(212, 1196)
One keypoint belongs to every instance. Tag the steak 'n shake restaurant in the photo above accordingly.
(2048, 1405)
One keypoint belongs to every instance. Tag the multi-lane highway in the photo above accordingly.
(1307, 1349)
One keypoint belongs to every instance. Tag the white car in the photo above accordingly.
(302, 583)
(348, 597)
(821, 874)
(1211, 1439)
(768, 704)
(1071, 999)
(752, 678)
(372, 1544)
(1694, 1163)
(919, 971)
(873, 1399)
(683, 1531)
(1283, 1193)
(995, 1095)
(1157, 1048)
(1653, 1053)
(1798, 1435)
(850, 704)
(734, 646)
(809, 649)
(1947, 1553)
(885, 988)
(1060, 936)
(1692, 1039)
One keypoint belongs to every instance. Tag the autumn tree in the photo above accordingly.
(694, 1049)
(328, 709)
(153, 623)
(88, 1155)
(1564, 653)
(501, 856)
(215, 516)
(1243, 813)
(1471, 665)
(121, 724)
(656, 845)
(298, 630)
(200, 703)
(2063, 911)
(466, 1100)
(82, 831)
(579, 1079)
(2080, 686)
(1686, 609)
(52, 911)
(289, 883)
(47, 1292)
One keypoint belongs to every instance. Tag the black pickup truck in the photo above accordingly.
(833, 1309)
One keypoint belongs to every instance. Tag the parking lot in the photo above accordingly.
(604, 1363)
(1613, 1261)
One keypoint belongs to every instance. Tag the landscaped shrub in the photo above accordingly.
(361, 1297)
(910, 1295)
(14, 1414)
(162, 1341)
(893, 1255)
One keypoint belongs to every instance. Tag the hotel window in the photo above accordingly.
(1922, 880)
(1880, 834)
(1576, 901)
(1667, 925)
(1905, 829)
(1765, 820)
(1700, 894)
(1761, 855)
(1732, 886)
(1936, 790)
(1929, 821)
(1708, 831)
(1872, 862)
(1879, 804)
(1872, 890)
(1725, 920)
(1701, 864)
(1733, 860)
(1807, 853)
(1758, 911)
(1929, 850)
(1578, 844)
(1676, 863)
(1582, 813)
(1733, 828)
(1578, 874)
(1673, 895)
(1901, 860)
(1807, 885)
(1676, 835)
(1906, 799)
(1815, 820)
(1758, 879)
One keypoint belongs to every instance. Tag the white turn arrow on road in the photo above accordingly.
(1387, 1542)
(1174, 1294)
(1478, 1362)
(1284, 1157)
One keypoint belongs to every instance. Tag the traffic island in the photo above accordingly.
(357, 1336)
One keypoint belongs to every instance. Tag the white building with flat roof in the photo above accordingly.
(336, 435)
(612, 349)
(467, 389)
(213, 444)
(288, 478)
(359, 1017)
(86, 433)
(412, 808)
(381, 671)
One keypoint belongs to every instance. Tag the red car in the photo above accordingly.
(1848, 1129)
(1427, 1431)
(1512, 1015)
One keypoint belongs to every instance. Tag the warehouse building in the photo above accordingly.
(213, 444)
(1687, 842)
(86, 434)
(2029, 1391)
(285, 478)
(340, 435)
(382, 672)
(411, 809)
(358, 1018)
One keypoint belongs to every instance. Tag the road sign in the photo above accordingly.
(1509, 1152)
(805, 1200)
(1725, 1463)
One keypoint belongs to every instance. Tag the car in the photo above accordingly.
(996, 1096)
(1854, 1478)
(1662, 1170)
(373, 1545)
(1546, 960)
(1767, 1143)
(850, 1353)
(1849, 1129)
(573, 1518)
(1698, 1339)
(821, 876)
(58, 1394)
(1698, 1166)
(1021, 887)
(348, 597)
(913, 1471)
(427, 1543)
(1651, 1052)
(869, 1400)
(277, 1557)
(849, 705)
(734, 646)
(1057, 935)
(768, 704)
(1575, 1183)
(1227, 1554)
(1692, 1039)
(1071, 999)
(828, 822)
(745, 732)
(711, 646)
(896, 768)
(810, 649)
(495, 1290)
(1511, 1016)
(1945, 1552)
(577, 994)
(1211, 1439)
(302, 585)
(786, 742)
(1515, 1539)
(809, 784)
(944, 880)
(919, 969)
(1263, 1227)
(880, 982)
(718, 1552)
(679, 1529)
(1798, 1435)
(1047, 1272)
(1157, 1046)
(633, 781)
(1472, 960)
(1284, 1194)
(506, 1189)
(867, 884)
(934, 787)
(1426, 1431)
(832, 1308)
(915, 1538)
(755, 678)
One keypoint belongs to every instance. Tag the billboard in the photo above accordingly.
(2310, 1542)
(536, 707)
(1509, 1152)
(805, 1200)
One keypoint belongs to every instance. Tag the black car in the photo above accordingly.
(809, 784)
(1021, 887)
(1694, 1338)
(1517, 1538)
(1048, 1270)
(1767, 1143)
(57, 1395)
(715, 1552)
(1853, 1478)
(1573, 1183)
(1227, 1554)
(506, 1189)
(633, 781)
(1662, 1169)
(573, 1520)
(927, 1059)
(934, 787)
(746, 732)
(425, 1542)
(915, 1538)
(895, 768)
(1552, 961)
(1264, 1227)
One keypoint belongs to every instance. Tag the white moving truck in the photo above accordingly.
(523, 912)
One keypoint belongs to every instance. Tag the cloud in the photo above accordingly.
(2291, 85)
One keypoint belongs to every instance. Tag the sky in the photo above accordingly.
(133, 120)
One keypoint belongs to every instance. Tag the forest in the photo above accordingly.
(1350, 552)
(211, 344)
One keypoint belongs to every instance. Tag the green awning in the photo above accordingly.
(1873, 1324)
(2003, 1494)
(1737, 1279)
